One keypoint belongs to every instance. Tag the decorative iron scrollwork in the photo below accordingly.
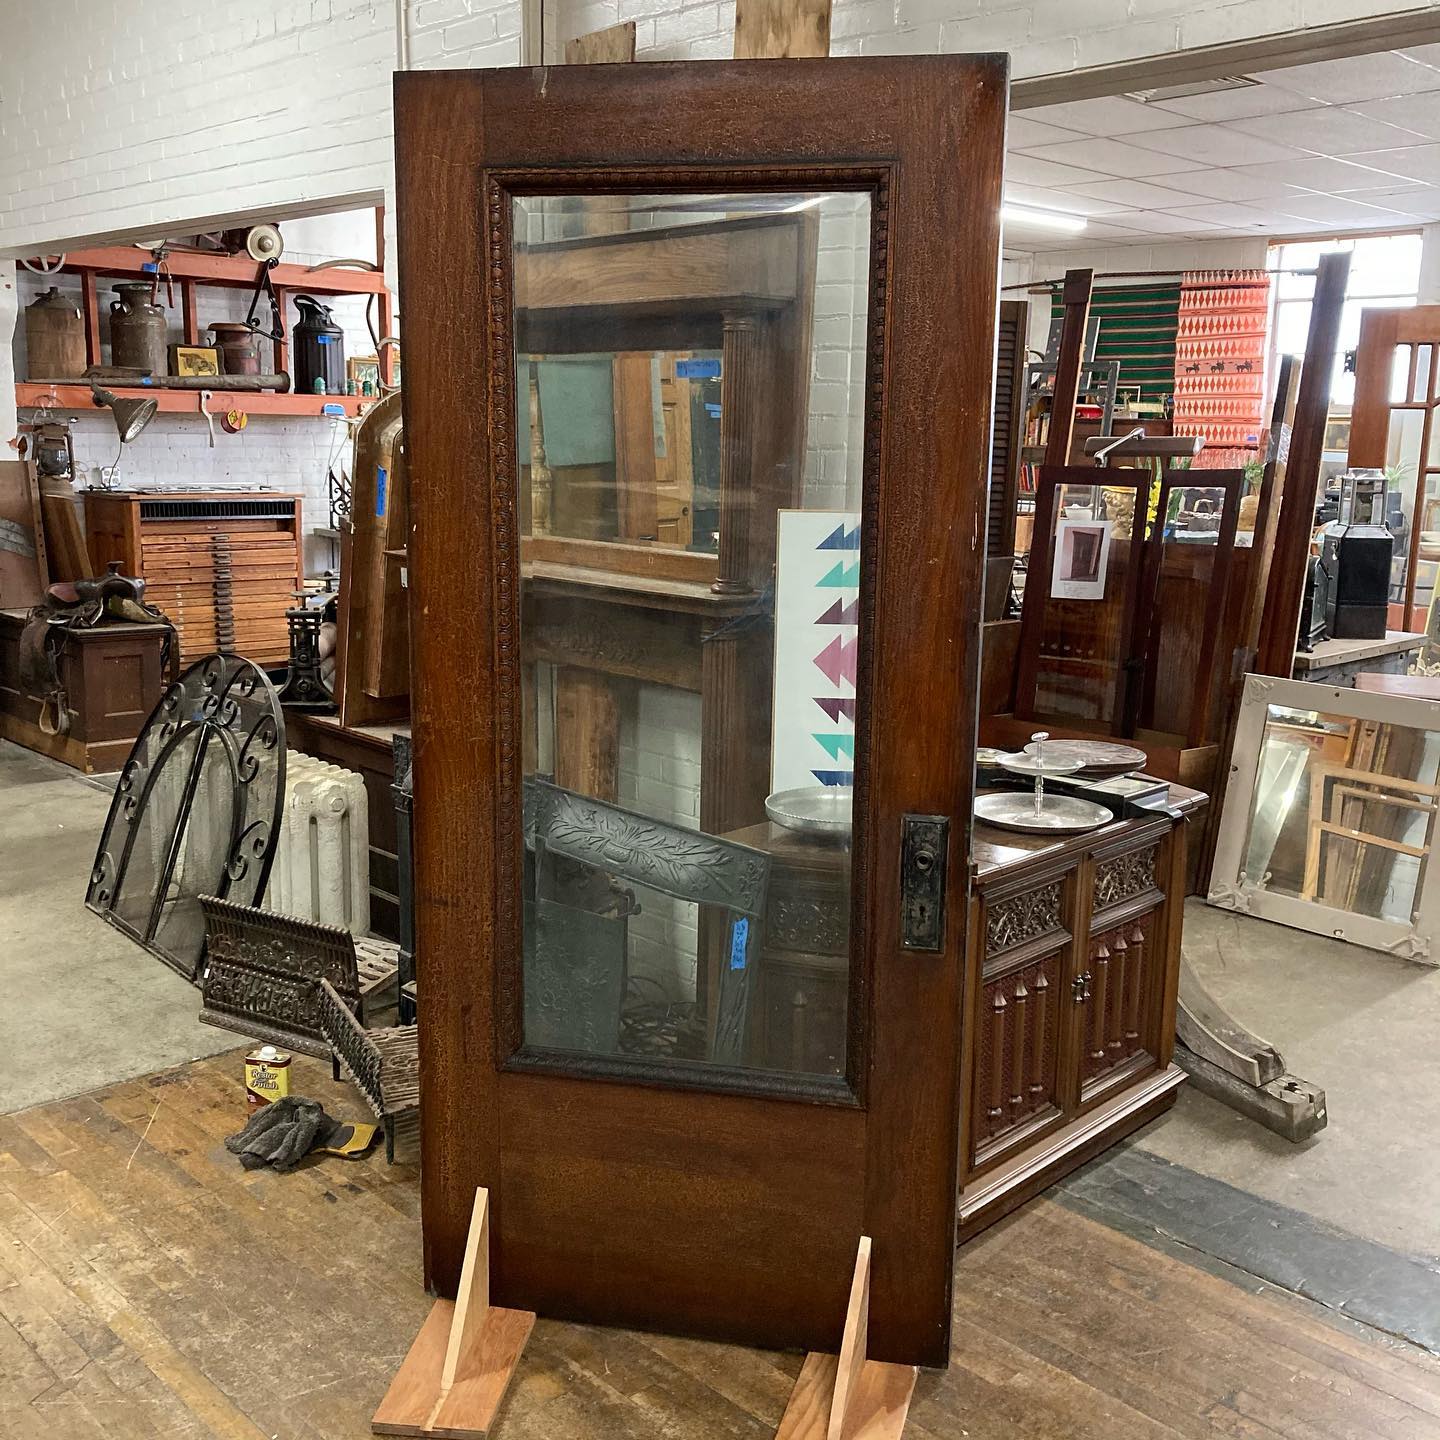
(196, 809)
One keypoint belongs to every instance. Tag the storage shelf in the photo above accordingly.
(30, 393)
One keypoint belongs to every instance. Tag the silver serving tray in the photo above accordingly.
(1051, 763)
(1094, 754)
(1059, 815)
(812, 810)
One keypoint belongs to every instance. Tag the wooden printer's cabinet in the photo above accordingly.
(1074, 974)
(224, 567)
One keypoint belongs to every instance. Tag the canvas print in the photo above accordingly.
(817, 628)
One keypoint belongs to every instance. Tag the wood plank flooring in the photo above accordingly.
(149, 1287)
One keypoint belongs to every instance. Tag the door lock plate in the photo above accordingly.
(924, 847)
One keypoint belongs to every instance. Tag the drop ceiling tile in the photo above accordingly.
(1217, 144)
(1322, 173)
(1109, 115)
(1414, 162)
(1046, 198)
(1422, 54)
(1133, 194)
(1236, 104)
(1337, 209)
(1023, 133)
(1157, 222)
(1420, 113)
(1114, 157)
(1329, 130)
(1358, 77)
(1228, 185)
(1232, 217)
(1026, 170)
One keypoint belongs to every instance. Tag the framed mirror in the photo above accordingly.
(1330, 814)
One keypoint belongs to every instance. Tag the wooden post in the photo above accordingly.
(1078, 288)
(782, 29)
(1295, 524)
(587, 733)
(456, 1374)
(189, 313)
(847, 1396)
(90, 306)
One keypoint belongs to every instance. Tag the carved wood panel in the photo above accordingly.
(1123, 970)
(1125, 876)
(1016, 1052)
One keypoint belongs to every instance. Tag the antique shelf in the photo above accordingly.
(34, 393)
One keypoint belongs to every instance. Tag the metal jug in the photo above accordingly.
(138, 329)
(318, 345)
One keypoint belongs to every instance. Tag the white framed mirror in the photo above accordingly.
(1330, 815)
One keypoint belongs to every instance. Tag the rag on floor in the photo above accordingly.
(283, 1133)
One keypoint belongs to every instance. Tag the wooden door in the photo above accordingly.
(641, 1172)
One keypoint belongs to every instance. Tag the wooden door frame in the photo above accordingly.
(786, 1186)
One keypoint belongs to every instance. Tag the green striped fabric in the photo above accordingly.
(1138, 325)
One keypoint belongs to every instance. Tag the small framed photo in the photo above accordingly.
(1082, 558)
(201, 360)
(361, 370)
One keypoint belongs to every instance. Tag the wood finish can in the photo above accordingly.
(267, 1076)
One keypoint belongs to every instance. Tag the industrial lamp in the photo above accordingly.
(131, 416)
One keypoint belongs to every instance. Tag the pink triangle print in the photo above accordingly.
(837, 660)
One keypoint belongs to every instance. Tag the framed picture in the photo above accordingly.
(1082, 557)
(194, 360)
(363, 370)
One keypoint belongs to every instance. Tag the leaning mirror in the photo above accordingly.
(1330, 814)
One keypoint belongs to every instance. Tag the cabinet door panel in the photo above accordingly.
(1017, 1051)
(1118, 1020)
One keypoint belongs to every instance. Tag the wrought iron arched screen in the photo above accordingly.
(196, 809)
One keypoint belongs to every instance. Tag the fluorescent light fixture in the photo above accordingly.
(1044, 219)
(1212, 86)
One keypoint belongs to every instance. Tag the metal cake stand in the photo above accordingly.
(1039, 813)
(813, 809)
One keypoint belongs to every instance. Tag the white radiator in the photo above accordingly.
(322, 858)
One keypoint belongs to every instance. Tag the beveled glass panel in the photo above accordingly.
(690, 386)
(1343, 812)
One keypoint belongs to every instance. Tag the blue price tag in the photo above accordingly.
(713, 411)
(331, 408)
(380, 479)
(739, 936)
(697, 369)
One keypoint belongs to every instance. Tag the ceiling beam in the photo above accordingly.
(1240, 57)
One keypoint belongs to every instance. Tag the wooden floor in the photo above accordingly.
(149, 1287)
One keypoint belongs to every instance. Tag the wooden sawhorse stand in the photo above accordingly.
(456, 1374)
(846, 1396)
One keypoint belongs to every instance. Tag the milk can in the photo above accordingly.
(138, 330)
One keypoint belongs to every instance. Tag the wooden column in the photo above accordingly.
(739, 398)
(1295, 524)
(587, 733)
(1079, 285)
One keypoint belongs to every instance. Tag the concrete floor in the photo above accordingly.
(1362, 1025)
(94, 1008)
(84, 1006)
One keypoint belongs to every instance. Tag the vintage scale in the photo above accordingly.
(1038, 812)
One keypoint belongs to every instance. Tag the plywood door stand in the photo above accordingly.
(456, 1374)
(846, 1396)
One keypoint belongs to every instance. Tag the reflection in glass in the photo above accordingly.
(690, 376)
(1344, 812)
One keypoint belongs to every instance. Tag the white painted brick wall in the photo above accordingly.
(1044, 37)
(659, 775)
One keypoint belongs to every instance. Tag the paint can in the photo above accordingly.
(267, 1076)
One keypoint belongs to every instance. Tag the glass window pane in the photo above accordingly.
(691, 384)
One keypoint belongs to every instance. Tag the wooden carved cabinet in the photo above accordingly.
(1074, 975)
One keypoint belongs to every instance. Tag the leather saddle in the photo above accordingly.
(74, 605)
